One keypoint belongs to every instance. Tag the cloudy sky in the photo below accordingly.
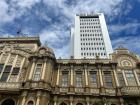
(52, 19)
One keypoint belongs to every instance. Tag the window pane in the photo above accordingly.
(7, 69)
(108, 79)
(138, 76)
(130, 77)
(64, 80)
(4, 77)
(121, 79)
(37, 72)
(93, 78)
(1, 67)
(15, 70)
(78, 80)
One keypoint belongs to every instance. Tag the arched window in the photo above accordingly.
(8, 102)
(30, 103)
(62, 103)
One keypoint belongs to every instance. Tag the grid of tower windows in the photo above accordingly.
(91, 38)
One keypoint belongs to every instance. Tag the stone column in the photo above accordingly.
(55, 103)
(125, 80)
(121, 101)
(32, 70)
(58, 75)
(24, 94)
(100, 76)
(55, 100)
(86, 76)
(71, 100)
(115, 76)
(38, 98)
(44, 70)
(71, 75)
(135, 74)
(87, 100)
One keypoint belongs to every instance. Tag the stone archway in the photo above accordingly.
(30, 103)
(79, 104)
(8, 102)
(62, 103)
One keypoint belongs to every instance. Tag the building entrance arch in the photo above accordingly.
(8, 102)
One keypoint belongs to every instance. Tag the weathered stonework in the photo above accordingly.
(31, 75)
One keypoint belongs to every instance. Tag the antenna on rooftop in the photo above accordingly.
(20, 33)
(121, 44)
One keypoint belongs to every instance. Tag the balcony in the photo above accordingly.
(95, 91)
(110, 91)
(130, 91)
(9, 86)
(79, 90)
(64, 89)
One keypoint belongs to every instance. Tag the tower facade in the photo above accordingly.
(90, 37)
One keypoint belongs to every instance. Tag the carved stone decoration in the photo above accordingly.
(126, 61)
(42, 51)
(7, 48)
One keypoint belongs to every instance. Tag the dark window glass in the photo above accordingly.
(7, 69)
(121, 79)
(1, 67)
(4, 77)
(130, 77)
(108, 79)
(93, 79)
(37, 73)
(64, 79)
(78, 79)
(138, 76)
(15, 70)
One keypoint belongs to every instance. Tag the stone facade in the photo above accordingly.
(31, 75)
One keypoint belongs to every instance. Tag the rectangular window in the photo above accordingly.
(130, 78)
(108, 79)
(138, 76)
(37, 73)
(1, 67)
(121, 79)
(7, 69)
(15, 70)
(64, 81)
(78, 79)
(93, 78)
(4, 77)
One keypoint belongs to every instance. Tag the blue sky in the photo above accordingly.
(52, 19)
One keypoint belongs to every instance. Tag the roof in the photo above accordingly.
(21, 39)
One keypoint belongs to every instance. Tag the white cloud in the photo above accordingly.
(132, 43)
(128, 28)
(56, 37)
(57, 34)
(14, 9)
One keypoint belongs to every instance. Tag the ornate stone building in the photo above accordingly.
(31, 75)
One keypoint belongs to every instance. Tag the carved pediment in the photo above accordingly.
(126, 60)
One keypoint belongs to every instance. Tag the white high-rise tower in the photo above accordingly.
(90, 37)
